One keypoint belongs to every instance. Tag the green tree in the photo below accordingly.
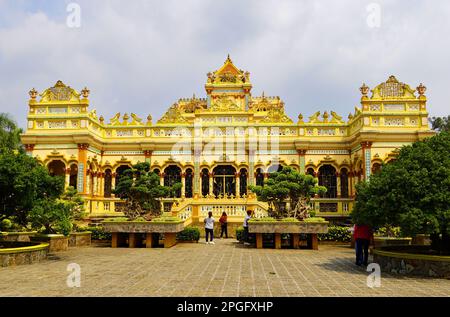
(440, 123)
(23, 182)
(9, 134)
(413, 192)
(288, 185)
(74, 202)
(51, 215)
(141, 190)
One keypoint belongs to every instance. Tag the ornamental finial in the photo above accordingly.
(421, 89)
(33, 93)
(85, 92)
(364, 90)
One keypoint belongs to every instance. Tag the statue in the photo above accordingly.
(115, 120)
(314, 117)
(136, 119)
(336, 117)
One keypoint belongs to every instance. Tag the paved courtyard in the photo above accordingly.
(225, 269)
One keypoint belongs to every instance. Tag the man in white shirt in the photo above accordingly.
(209, 228)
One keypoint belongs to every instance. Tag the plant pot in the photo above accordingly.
(17, 236)
(80, 239)
(57, 242)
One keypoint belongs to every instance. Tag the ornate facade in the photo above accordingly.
(217, 145)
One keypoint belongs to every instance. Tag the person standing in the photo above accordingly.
(209, 228)
(224, 225)
(363, 236)
(245, 225)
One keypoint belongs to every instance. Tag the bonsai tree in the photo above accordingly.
(54, 216)
(440, 123)
(141, 191)
(288, 185)
(413, 192)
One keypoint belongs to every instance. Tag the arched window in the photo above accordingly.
(156, 171)
(376, 168)
(243, 181)
(91, 179)
(224, 181)
(344, 183)
(205, 182)
(188, 183)
(172, 175)
(73, 175)
(310, 171)
(259, 177)
(57, 168)
(274, 168)
(327, 178)
(108, 183)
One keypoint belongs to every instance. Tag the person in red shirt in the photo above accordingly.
(224, 225)
(363, 236)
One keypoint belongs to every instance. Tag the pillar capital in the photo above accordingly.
(83, 146)
(29, 147)
(301, 152)
(366, 144)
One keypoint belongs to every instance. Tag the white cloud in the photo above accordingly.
(142, 56)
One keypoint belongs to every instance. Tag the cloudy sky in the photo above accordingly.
(141, 56)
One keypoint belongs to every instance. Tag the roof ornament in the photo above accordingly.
(85, 92)
(421, 89)
(33, 94)
(364, 89)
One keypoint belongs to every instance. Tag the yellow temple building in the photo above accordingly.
(218, 145)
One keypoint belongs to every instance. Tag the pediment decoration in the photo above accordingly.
(223, 104)
(392, 89)
(228, 74)
(59, 92)
(173, 115)
(276, 115)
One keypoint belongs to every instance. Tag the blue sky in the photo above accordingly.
(141, 56)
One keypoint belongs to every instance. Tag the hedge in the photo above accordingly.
(189, 234)
(336, 233)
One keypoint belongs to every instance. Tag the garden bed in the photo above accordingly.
(17, 236)
(412, 260)
(390, 241)
(139, 233)
(57, 242)
(292, 227)
(18, 253)
(80, 239)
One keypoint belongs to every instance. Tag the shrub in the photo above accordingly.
(290, 219)
(264, 219)
(336, 233)
(166, 219)
(117, 219)
(189, 234)
(97, 233)
(240, 233)
(314, 219)
(393, 232)
(6, 224)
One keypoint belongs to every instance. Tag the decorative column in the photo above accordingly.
(350, 184)
(338, 185)
(113, 184)
(67, 178)
(251, 167)
(101, 184)
(238, 184)
(196, 189)
(161, 179)
(148, 156)
(82, 160)
(301, 160)
(211, 183)
(29, 148)
(367, 158)
(183, 185)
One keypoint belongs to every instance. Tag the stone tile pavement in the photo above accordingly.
(224, 269)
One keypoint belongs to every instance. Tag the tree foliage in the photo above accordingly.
(413, 192)
(142, 191)
(441, 124)
(9, 134)
(288, 185)
(23, 182)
